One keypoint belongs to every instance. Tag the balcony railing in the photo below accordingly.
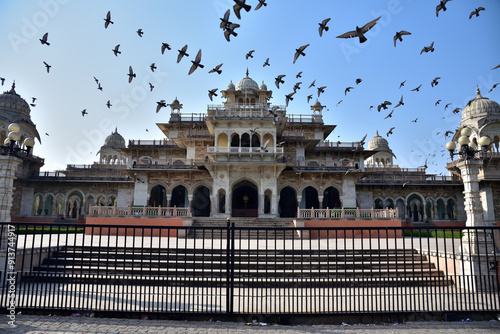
(146, 211)
(345, 213)
(239, 150)
(241, 110)
(154, 142)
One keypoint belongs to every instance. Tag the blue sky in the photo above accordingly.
(465, 53)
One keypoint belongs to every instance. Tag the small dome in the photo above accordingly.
(317, 104)
(378, 143)
(230, 86)
(175, 101)
(247, 84)
(480, 107)
(12, 103)
(114, 140)
(263, 86)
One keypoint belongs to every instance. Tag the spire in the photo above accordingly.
(247, 72)
(378, 134)
(478, 91)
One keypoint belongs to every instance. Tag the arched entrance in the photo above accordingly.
(331, 198)
(245, 200)
(201, 202)
(158, 196)
(310, 198)
(179, 197)
(415, 208)
(288, 203)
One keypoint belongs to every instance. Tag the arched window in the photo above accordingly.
(235, 140)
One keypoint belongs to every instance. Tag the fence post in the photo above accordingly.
(129, 210)
(312, 212)
(144, 210)
(342, 213)
(373, 213)
(159, 211)
(328, 213)
(298, 212)
(229, 266)
(358, 213)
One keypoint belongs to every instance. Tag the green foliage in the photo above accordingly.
(434, 234)
(49, 230)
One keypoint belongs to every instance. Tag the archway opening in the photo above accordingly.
(310, 198)
(451, 209)
(415, 208)
(245, 200)
(331, 198)
(179, 197)
(158, 196)
(47, 210)
(288, 203)
(441, 210)
(201, 202)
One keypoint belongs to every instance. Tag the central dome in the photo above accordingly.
(378, 143)
(247, 84)
(480, 107)
(114, 140)
(11, 102)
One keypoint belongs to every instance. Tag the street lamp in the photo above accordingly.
(10, 146)
(468, 148)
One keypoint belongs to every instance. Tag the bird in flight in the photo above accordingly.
(339, 103)
(43, 40)
(312, 84)
(494, 86)
(390, 131)
(216, 69)
(196, 63)
(3, 80)
(289, 97)
(456, 110)
(182, 53)
(383, 105)
(425, 165)
(322, 26)
(99, 86)
(476, 12)
(494, 68)
(399, 36)
(212, 93)
(400, 103)
(415, 120)
(299, 75)
(108, 20)
(435, 81)
(47, 66)
(237, 7)
(321, 90)
(108, 104)
(442, 5)
(225, 20)
(437, 102)
(249, 54)
(84, 112)
(416, 89)
(348, 90)
(297, 86)
(33, 99)
(140, 32)
(165, 46)
(230, 31)
(447, 133)
(161, 104)
(261, 3)
(390, 115)
(279, 79)
(358, 81)
(264, 147)
(153, 67)
(115, 50)
(266, 63)
(130, 74)
(402, 84)
(446, 106)
(359, 32)
(151, 87)
(299, 52)
(309, 97)
(428, 48)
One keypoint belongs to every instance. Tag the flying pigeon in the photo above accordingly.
(446, 106)
(115, 50)
(107, 20)
(415, 120)
(494, 86)
(237, 7)
(279, 79)
(47, 66)
(153, 67)
(322, 26)
(399, 36)
(249, 54)
(321, 90)
(402, 84)
(299, 75)
(447, 133)
(108, 104)
(3, 80)
(390, 131)
(442, 5)
(140, 32)
(309, 97)
(196, 63)
(266, 63)
(383, 105)
(312, 84)
(151, 87)
(358, 81)
(216, 69)
(289, 98)
(130, 74)
(33, 99)
(165, 46)
(390, 114)
(428, 48)
(264, 148)
(359, 32)
(225, 20)
(339, 103)
(212, 93)
(437, 102)
(416, 89)
(348, 90)
(160, 105)
(182, 53)
(456, 110)
(43, 40)
(99, 86)
(400, 103)
(261, 3)
(435, 81)
(476, 12)
(230, 31)
(84, 112)
(299, 52)
(494, 68)
(297, 86)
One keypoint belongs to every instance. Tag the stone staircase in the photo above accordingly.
(259, 228)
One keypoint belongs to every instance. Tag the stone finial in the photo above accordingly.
(247, 72)
(478, 91)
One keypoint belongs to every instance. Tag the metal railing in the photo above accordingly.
(343, 213)
(139, 210)
(235, 271)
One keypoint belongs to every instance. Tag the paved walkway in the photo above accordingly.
(30, 324)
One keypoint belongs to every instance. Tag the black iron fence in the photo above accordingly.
(245, 270)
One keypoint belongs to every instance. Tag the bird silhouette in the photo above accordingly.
(254, 130)
(390, 115)
(289, 97)
(446, 106)
(415, 120)
(99, 86)
(249, 54)
(494, 86)
(390, 131)
(417, 89)
(261, 3)
(211, 93)
(359, 32)
(43, 40)
(402, 84)
(476, 12)
(435, 81)
(47, 66)
(428, 48)
(161, 104)
(140, 32)
(494, 68)
(425, 165)
(107, 20)
(447, 133)
(96, 80)
(358, 81)
(442, 5)
(437, 102)
(299, 52)
(299, 75)
(33, 99)
(456, 110)
(383, 105)
(266, 63)
(347, 90)
(400, 103)
(321, 90)
(115, 50)
(225, 20)
(165, 46)
(230, 31)
(130, 74)
(237, 7)
(32, 104)
(264, 147)
(46, 134)
(399, 36)
(362, 141)
(309, 97)
(216, 69)
(182, 53)
(151, 87)
(339, 103)
(297, 86)
(312, 84)
(279, 79)
(322, 26)
(280, 144)
(153, 67)
(84, 112)
(108, 104)
(196, 63)
(3, 80)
